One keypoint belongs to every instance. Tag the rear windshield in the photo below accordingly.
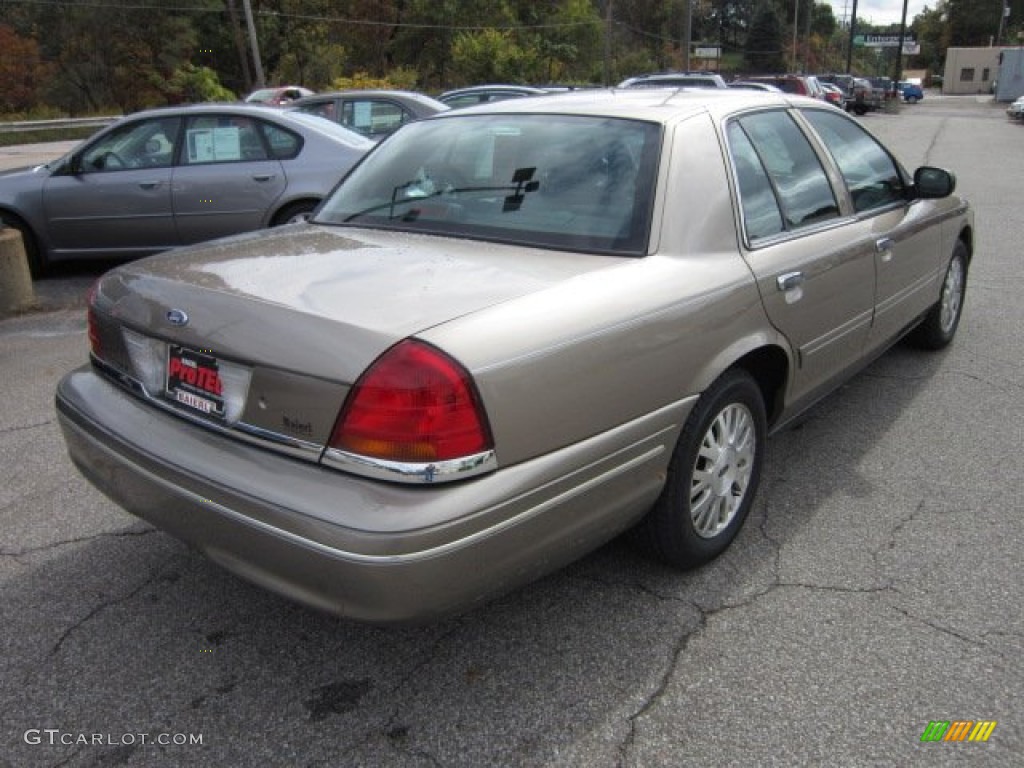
(566, 182)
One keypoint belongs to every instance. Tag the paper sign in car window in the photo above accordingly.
(200, 145)
(227, 144)
(363, 114)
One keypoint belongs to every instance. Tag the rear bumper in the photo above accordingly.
(368, 550)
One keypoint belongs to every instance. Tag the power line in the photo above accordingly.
(312, 17)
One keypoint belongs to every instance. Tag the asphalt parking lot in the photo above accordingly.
(875, 589)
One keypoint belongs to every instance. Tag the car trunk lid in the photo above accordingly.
(289, 319)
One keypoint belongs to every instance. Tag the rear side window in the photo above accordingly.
(372, 117)
(873, 179)
(801, 187)
(284, 145)
(761, 214)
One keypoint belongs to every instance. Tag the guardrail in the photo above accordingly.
(53, 125)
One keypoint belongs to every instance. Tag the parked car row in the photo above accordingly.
(510, 334)
(852, 94)
(194, 173)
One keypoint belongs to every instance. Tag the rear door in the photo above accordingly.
(816, 284)
(227, 179)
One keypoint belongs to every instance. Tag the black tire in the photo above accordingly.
(294, 212)
(37, 264)
(860, 109)
(730, 425)
(939, 326)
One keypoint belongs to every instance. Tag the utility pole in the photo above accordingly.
(608, 43)
(796, 25)
(260, 82)
(899, 50)
(853, 28)
(687, 34)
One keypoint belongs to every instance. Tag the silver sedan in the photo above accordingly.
(169, 177)
(512, 333)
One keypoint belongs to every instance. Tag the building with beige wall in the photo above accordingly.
(971, 70)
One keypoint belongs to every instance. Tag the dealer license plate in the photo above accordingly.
(193, 380)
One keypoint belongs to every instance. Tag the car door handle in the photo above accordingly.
(884, 246)
(264, 177)
(789, 281)
(150, 184)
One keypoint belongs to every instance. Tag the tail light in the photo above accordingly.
(91, 322)
(414, 405)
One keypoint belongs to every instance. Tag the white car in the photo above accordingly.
(1016, 109)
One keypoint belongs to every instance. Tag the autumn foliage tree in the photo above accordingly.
(21, 71)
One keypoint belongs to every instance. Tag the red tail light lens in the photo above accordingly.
(91, 322)
(415, 404)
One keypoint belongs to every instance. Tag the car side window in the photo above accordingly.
(284, 145)
(372, 117)
(800, 183)
(222, 139)
(141, 144)
(327, 109)
(872, 177)
(761, 214)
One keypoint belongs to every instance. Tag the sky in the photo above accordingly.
(879, 11)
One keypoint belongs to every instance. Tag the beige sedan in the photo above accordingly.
(512, 333)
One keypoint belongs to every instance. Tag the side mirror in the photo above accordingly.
(932, 183)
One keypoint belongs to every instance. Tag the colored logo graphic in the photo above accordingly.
(958, 730)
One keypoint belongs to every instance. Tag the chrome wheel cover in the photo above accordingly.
(952, 295)
(722, 470)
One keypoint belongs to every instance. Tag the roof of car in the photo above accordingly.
(368, 93)
(653, 104)
(494, 88)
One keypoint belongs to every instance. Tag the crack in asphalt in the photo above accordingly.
(706, 613)
(939, 628)
(25, 427)
(649, 702)
(79, 540)
(939, 130)
(396, 732)
(154, 576)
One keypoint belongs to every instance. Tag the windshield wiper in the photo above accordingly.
(521, 184)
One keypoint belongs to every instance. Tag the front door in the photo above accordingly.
(114, 196)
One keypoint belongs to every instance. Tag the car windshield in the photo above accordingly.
(262, 95)
(568, 182)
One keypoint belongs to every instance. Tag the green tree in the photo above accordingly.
(764, 50)
(192, 84)
(492, 56)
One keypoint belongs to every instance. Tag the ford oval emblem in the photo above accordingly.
(177, 317)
